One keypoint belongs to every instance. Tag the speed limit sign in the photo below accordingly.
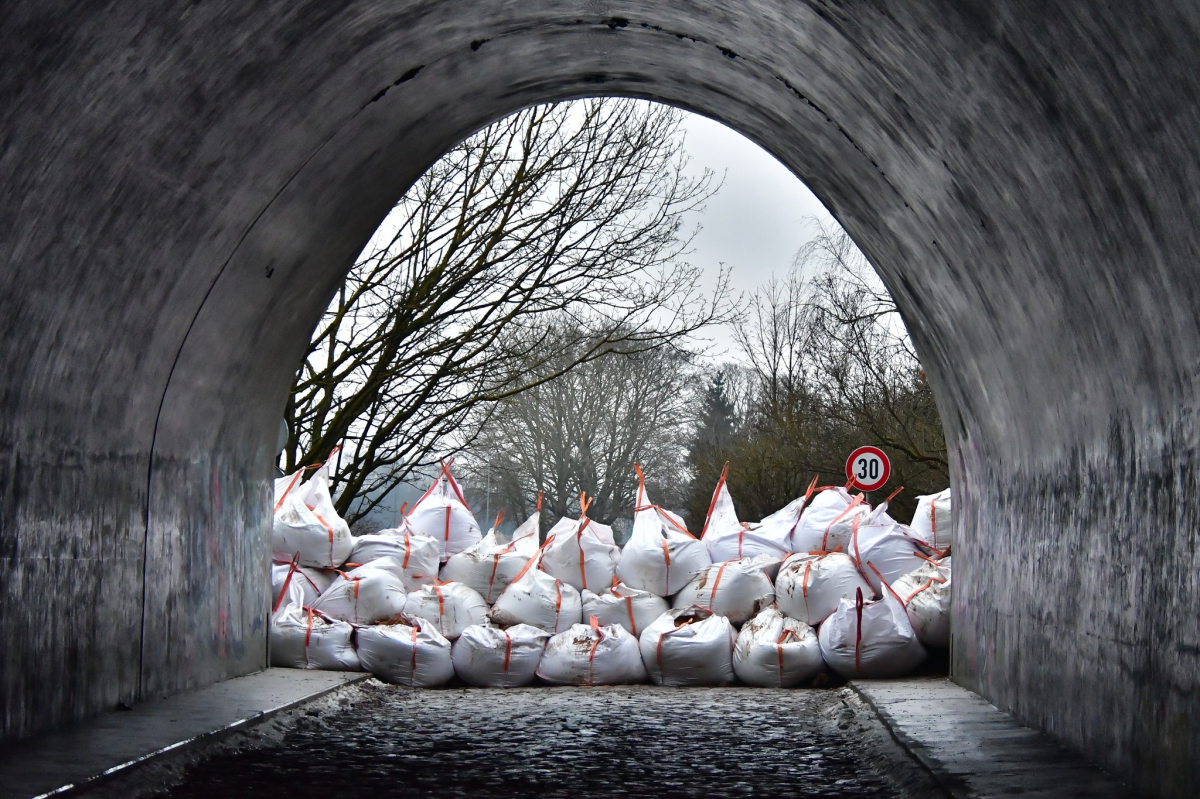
(868, 468)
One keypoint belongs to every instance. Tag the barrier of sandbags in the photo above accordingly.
(726, 538)
(406, 652)
(774, 651)
(493, 563)
(828, 520)
(932, 521)
(632, 608)
(883, 548)
(811, 585)
(870, 638)
(589, 654)
(736, 589)
(925, 593)
(689, 646)
(488, 657)
(661, 556)
(417, 554)
(306, 524)
(581, 552)
(303, 638)
(538, 599)
(442, 514)
(450, 607)
(365, 595)
(311, 581)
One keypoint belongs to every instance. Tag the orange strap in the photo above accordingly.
(507, 650)
(858, 607)
(286, 582)
(308, 632)
(407, 549)
(804, 584)
(713, 593)
(447, 524)
(641, 485)
(853, 504)
(599, 637)
(492, 579)
(441, 602)
(412, 673)
(632, 621)
(667, 563)
(893, 495)
(928, 584)
(922, 557)
(330, 529)
(539, 505)
(779, 648)
(288, 490)
(713, 504)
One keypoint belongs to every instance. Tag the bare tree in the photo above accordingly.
(562, 217)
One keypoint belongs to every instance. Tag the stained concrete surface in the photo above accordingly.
(106, 748)
(182, 187)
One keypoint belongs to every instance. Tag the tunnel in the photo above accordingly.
(182, 188)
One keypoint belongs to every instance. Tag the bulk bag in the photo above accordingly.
(773, 651)
(661, 556)
(493, 563)
(726, 538)
(884, 550)
(932, 521)
(488, 657)
(312, 582)
(925, 593)
(450, 607)
(306, 524)
(780, 527)
(303, 638)
(365, 595)
(442, 514)
(632, 609)
(871, 639)
(736, 589)
(689, 646)
(589, 654)
(416, 553)
(536, 598)
(406, 652)
(811, 586)
(581, 552)
(828, 521)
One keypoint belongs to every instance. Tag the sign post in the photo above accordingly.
(868, 468)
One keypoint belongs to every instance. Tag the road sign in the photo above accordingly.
(868, 468)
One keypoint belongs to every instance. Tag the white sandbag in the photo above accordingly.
(417, 554)
(828, 521)
(780, 526)
(442, 514)
(307, 639)
(286, 571)
(366, 595)
(631, 608)
(307, 524)
(589, 654)
(661, 556)
(872, 639)
(689, 646)
(493, 563)
(884, 549)
(769, 564)
(726, 538)
(736, 589)
(581, 552)
(774, 651)
(925, 593)
(932, 522)
(538, 599)
(488, 657)
(408, 652)
(451, 607)
(811, 586)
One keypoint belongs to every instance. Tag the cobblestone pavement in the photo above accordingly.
(385, 741)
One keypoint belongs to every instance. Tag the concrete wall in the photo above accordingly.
(181, 189)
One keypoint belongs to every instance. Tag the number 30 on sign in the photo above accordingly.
(868, 468)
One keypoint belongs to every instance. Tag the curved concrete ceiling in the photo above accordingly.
(182, 190)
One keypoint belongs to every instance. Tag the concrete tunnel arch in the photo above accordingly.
(183, 189)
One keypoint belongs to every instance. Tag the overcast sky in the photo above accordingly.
(757, 221)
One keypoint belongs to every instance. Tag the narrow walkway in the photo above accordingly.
(57, 763)
(975, 750)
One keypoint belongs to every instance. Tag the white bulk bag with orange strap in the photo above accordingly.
(870, 639)
(811, 586)
(689, 646)
(932, 521)
(728, 539)
(632, 609)
(774, 651)
(311, 581)
(302, 638)
(442, 514)
(493, 563)
(488, 657)
(780, 526)
(884, 550)
(417, 554)
(589, 654)
(581, 552)
(451, 607)
(536, 598)
(366, 595)
(925, 593)
(406, 652)
(736, 589)
(307, 524)
(828, 521)
(661, 556)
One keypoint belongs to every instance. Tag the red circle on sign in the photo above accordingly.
(868, 468)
